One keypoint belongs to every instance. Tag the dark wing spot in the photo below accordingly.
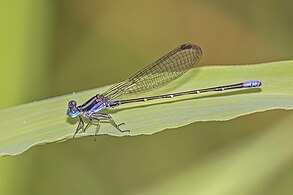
(186, 46)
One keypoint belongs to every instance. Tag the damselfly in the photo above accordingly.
(164, 70)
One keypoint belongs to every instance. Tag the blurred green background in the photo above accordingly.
(51, 48)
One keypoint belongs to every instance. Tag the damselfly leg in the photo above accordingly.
(95, 119)
(98, 116)
(79, 126)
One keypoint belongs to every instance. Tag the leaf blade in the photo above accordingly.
(24, 126)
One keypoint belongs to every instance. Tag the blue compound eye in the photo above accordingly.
(72, 111)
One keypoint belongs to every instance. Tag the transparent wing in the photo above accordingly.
(164, 70)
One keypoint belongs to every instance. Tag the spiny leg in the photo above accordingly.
(115, 125)
(79, 126)
(108, 117)
(89, 123)
(120, 124)
(97, 129)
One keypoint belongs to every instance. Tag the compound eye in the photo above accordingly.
(72, 104)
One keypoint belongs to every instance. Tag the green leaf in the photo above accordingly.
(24, 126)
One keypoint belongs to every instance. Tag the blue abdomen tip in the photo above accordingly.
(254, 83)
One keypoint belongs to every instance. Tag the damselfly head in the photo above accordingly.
(72, 110)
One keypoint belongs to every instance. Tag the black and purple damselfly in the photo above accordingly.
(164, 70)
